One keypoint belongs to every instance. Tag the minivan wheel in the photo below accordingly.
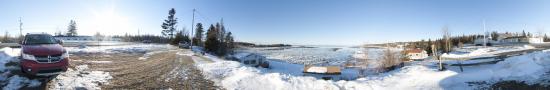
(22, 70)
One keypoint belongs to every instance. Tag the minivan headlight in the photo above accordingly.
(65, 54)
(27, 56)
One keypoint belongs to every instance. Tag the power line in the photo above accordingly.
(203, 16)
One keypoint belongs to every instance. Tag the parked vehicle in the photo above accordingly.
(184, 45)
(146, 41)
(43, 55)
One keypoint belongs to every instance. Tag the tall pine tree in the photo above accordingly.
(229, 42)
(169, 25)
(199, 31)
(72, 28)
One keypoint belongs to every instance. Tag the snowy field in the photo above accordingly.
(470, 52)
(135, 48)
(419, 75)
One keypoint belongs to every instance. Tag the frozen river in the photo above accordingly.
(308, 55)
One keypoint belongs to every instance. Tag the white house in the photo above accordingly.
(249, 59)
(416, 54)
(85, 38)
(488, 41)
(75, 38)
(327, 72)
(536, 40)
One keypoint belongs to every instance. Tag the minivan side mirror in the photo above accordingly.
(59, 41)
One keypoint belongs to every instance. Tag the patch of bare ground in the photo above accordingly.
(163, 70)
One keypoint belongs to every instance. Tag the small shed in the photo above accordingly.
(416, 54)
(249, 59)
(323, 72)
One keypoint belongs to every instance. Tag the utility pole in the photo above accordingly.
(484, 34)
(139, 36)
(192, 28)
(20, 29)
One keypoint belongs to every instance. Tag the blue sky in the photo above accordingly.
(319, 22)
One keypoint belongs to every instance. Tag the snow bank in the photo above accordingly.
(7, 80)
(80, 78)
(235, 76)
(17, 82)
(7, 55)
(526, 68)
(232, 75)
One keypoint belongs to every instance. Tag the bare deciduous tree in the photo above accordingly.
(389, 60)
(363, 62)
(446, 35)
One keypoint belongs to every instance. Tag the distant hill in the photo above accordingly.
(247, 44)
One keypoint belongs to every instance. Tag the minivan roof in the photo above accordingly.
(38, 33)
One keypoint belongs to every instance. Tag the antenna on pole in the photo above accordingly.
(192, 27)
(20, 28)
(524, 25)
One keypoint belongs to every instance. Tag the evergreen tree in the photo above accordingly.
(6, 37)
(212, 42)
(58, 33)
(177, 38)
(429, 48)
(185, 36)
(197, 40)
(98, 36)
(494, 36)
(523, 34)
(221, 35)
(181, 36)
(169, 25)
(546, 39)
(229, 42)
(72, 28)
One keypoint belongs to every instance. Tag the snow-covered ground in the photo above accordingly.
(480, 51)
(80, 78)
(8, 80)
(419, 75)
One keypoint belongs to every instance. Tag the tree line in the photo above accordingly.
(447, 42)
(216, 40)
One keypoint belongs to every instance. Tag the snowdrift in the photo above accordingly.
(479, 51)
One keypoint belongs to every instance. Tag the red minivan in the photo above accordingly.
(43, 55)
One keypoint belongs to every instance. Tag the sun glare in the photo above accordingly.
(111, 23)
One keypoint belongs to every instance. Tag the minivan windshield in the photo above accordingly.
(39, 39)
